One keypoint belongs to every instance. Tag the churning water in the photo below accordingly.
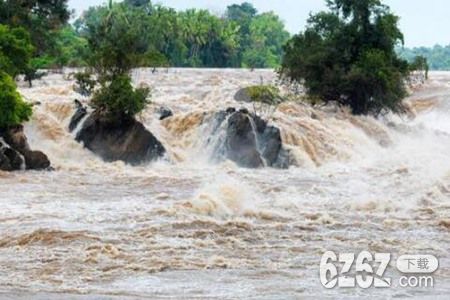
(187, 227)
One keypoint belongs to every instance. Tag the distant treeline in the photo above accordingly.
(240, 37)
(438, 57)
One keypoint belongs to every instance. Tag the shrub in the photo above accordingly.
(118, 99)
(266, 94)
(15, 50)
(115, 42)
(348, 55)
(84, 83)
(13, 110)
(264, 98)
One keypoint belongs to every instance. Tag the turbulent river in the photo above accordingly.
(186, 227)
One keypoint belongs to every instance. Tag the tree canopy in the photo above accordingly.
(116, 43)
(27, 30)
(197, 38)
(347, 54)
(15, 53)
(438, 57)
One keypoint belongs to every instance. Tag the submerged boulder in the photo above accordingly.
(126, 140)
(80, 113)
(13, 157)
(15, 153)
(250, 141)
(164, 113)
(36, 160)
(241, 142)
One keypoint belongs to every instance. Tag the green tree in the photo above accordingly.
(13, 110)
(163, 36)
(115, 41)
(242, 15)
(15, 53)
(267, 38)
(41, 18)
(15, 50)
(438, 57)
(348, 55)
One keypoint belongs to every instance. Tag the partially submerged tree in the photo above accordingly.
(116, 48)
(348, 55)
(420, 66)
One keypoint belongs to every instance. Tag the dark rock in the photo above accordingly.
(260, 123)
(15, 160)
(17, 145)
(249, 141)
(80, 113)
(283, 160)
(16, 139)
(165, 113)
(230, 110)
(270, 144)
(5, 164)
(36, 160)
(127, 140)
(242, 95)
(244, 111)
(240, 143)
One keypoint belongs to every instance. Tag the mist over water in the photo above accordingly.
(189, 227)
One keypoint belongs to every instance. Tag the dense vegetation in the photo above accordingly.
(15, 53)
(438, 57)
(197, 38)
(27, 31)
(348, 55)
(13, 109)
(116, 45)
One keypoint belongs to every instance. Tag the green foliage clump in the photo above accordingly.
(119, 100)
(264, 98)
(420, 64)
(116, 46)
(267, 37)
(266, 94)
(84, 83)
(15, 50)
(438, 57)
(162, 36)
(39, 17)
(348, 55)
(13, 110)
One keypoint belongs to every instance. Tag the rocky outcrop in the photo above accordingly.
(15, 153)
(164, 113)
(80, 113)
(241, 142)
(243, 95)
(125, 140)
(250, 141)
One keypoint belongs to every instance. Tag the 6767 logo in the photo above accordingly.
(369, 270)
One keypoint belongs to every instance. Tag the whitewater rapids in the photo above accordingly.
(186, 227)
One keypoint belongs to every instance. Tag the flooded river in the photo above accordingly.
(187, 227)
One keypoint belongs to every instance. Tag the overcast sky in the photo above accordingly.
(423, 22)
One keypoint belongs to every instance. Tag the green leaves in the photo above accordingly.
(267, 37)
(348, 55)
(15, 50)
(190, 38)
(13, 110)
(266, 94)
(118, 99)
